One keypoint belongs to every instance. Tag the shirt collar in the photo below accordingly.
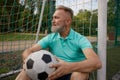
(70, 36)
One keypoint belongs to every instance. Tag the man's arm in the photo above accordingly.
(27, 52)
(91, 63)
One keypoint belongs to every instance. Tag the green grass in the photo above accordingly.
(113, 61)
(18, 36)
(10, 61)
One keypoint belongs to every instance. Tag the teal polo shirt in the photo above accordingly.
(68, 49)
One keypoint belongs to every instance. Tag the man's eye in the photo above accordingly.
(56, 17)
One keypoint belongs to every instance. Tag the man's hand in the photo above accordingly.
(62, 68)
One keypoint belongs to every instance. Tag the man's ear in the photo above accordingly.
(68, 20)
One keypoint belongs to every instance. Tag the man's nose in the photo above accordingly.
(53, 21)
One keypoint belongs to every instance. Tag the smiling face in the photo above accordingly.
(59, 21)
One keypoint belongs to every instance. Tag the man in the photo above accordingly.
(74, 52)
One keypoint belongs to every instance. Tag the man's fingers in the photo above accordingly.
(55, 65)
(55, 74)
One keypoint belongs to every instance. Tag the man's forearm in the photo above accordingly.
(85, 66)
(30, 50)
(26, 53)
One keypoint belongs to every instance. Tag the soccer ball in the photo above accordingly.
(37, 65)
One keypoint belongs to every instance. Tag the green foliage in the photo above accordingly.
(45, 19)
(81, 22)
(111, 15)
(82, 19)
(17, 17)
(8, 13)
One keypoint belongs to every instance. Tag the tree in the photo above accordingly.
(81, 22)
(6, 10)
(111, 15)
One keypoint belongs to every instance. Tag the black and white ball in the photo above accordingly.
(37, 65)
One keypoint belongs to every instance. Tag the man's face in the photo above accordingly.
(58, 21)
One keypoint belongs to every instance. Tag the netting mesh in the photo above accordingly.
(16, 23)
(19, 23)
(18, 26)
(85, 14)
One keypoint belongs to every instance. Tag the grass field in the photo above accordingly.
(18, 36)
(113, 61)
(10, 61)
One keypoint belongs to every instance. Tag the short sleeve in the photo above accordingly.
(44, 42)
(84, 43)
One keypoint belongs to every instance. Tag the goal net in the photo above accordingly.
(19, 22)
